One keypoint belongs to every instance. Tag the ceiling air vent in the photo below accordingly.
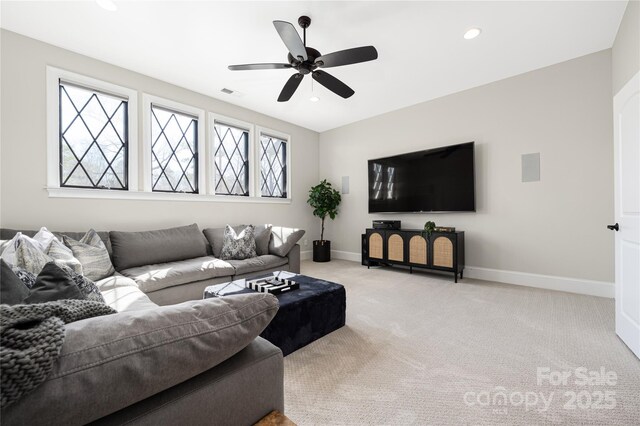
(232, 92)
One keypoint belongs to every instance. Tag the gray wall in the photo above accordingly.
(25, 202)
(625, 56)
(553, 227)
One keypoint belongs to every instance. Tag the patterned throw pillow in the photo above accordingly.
(238, 246)
(86, 286)
(28, 278)
(29, 255)
(64, 256)
(92, 254)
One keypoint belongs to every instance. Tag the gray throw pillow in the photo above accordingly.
(238, 246)
(131, 249)
(283, 239)
(92, 254)
(263, 237)
(54, 283)
(64, 256)
(12, 290)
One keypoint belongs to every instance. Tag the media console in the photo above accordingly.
(442, 251)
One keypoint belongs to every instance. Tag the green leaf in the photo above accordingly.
(324, 200)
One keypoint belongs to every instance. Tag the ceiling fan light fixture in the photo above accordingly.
(107, 5)
(314, 99)
(472, 33)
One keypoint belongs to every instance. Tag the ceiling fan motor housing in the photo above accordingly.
(307, 66)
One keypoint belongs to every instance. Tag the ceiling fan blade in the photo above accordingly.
(290, 87)
(333, 84)
(258, 67)
(348, 57)
(291, 39)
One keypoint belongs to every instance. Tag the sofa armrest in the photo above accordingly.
(294, 259)
(110, 362)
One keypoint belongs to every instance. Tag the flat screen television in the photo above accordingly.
(433, 180)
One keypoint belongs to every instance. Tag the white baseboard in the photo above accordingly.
(346, 255)
(550, 282)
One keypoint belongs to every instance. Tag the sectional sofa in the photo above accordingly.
(196, 362)
(175, 265)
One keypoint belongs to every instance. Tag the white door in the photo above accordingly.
(626, 116)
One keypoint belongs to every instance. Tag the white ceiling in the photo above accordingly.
(422, 54)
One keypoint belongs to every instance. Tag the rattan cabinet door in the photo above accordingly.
(375, 241)
(395, 247)
(417, 249)
(443, 250)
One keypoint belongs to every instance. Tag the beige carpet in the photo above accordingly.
(415, 346)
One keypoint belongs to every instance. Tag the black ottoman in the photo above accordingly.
(314, 310)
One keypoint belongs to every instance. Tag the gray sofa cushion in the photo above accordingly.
(262, 235)
(132, 249)
(110, 362)
(123, 294)
(155, 277)
(255, 264)
(215, 236)
(283, 239)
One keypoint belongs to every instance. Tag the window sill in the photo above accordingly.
(106, 194)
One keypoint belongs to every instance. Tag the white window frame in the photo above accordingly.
(257, 169)
(233, 122)
(54, 75)
(139, 157)
(149, 100)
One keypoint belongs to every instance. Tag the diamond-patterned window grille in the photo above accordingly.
(231, 160)
(174, 151)
(93, 138)
(273, 167)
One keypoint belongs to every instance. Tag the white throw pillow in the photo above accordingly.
(9, 253)
(44, 238)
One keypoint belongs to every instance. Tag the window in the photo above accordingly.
(273, 166)
(91, 136)
(93, 139)
(92, 148)
(174, 151)
(231, 160)
(173, 148)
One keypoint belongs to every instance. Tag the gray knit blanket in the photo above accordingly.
(31, 338)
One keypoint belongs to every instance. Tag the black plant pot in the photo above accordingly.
(321, 251)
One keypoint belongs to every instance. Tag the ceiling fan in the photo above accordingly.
(306, 60)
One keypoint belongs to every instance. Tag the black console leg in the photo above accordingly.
(455, 277)
(461, 272)
(411, 269)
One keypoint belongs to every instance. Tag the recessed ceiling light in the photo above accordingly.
(107, 5)
(314, 99)
(472, 33)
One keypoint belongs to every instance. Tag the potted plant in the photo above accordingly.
(325, 201)
(429, 227)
